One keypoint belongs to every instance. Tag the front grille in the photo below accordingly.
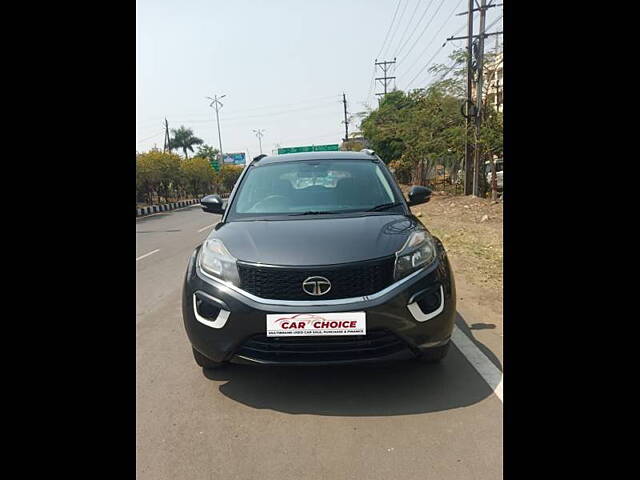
(285, 283)
(375, 344)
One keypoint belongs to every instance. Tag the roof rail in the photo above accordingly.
(368, 151)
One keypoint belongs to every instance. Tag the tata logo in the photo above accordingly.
(316, 285)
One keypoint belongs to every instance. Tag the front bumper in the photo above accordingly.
(396, 327)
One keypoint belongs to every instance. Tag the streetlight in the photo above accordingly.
(259, 132)
(217, 104)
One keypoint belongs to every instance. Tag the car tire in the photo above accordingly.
(435, 354)
(205, 362)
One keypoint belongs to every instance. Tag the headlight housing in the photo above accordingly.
(418, 251)
(216, 260)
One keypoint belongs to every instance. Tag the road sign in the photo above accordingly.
(309, 148)
(215, 165)
(235, 158)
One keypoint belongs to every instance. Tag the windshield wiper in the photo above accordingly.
(310, 212)
(384, 206)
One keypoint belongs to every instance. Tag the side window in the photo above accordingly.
(385, 184)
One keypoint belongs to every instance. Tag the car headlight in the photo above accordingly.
(419, 250)
(216, 260)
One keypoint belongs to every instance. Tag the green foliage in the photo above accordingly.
(351, 146)
(415, 132)
(184, 139)
(226, 178)
(156, 173)
(166, 177)
(198, 175)
(207, 151)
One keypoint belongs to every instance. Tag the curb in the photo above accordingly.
(141, 212)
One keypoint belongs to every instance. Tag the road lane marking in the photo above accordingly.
(487, 370)
(147, 254)
(208, 226)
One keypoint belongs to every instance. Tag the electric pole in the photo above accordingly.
(346, 122)
(217, 104)
(385, 79)
(468, 168)
(479, 60)
(473, 111)
(259, 132)
(167, 138)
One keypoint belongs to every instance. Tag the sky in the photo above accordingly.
(282, 65)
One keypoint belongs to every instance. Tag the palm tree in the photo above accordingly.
(183, 138)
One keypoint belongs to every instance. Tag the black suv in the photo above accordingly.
(318, 260)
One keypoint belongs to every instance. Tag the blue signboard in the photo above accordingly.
(234, 158)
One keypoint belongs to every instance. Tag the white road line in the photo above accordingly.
(489, 372)
(147, 254)
(208, 226)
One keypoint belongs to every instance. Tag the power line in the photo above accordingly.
(434, 37)
(264, 107)
(262, 115)
(391, 25)
(424, 29)
(149, 138)
(371, 84)
(454, 63)
(414, 28)
(413, 14)
(397, 26)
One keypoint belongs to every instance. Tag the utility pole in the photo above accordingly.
(385, 79)
(479, 61)
(259, 132)
(468, 169)
(217, 104)
(346, 122)
(167, 139)
(473, 110)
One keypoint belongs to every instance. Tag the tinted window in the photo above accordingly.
(318, 186)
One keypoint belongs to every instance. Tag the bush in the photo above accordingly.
(166, 177)
(226, 178)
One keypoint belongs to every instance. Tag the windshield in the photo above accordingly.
(313, 187)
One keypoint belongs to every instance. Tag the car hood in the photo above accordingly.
(317, 241)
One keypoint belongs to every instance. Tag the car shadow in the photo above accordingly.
(399, 388)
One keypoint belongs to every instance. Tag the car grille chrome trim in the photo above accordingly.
(220, 320)
(308, 303)
(420, 316)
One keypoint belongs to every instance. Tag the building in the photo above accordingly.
(494, 82)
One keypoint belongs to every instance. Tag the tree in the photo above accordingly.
(184, 139)
(352, 146)
(198, 175)
(157, 173)
(417, 132)
(227, 177)
(207, 151)
(380, 127)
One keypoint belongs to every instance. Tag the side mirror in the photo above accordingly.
(418, 195)
(212, 204)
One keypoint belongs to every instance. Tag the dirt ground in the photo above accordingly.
(471, 230)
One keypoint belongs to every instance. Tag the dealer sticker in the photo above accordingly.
(316, 324)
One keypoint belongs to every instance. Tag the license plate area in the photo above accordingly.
(316, 324)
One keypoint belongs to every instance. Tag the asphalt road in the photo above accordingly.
(399, 421)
